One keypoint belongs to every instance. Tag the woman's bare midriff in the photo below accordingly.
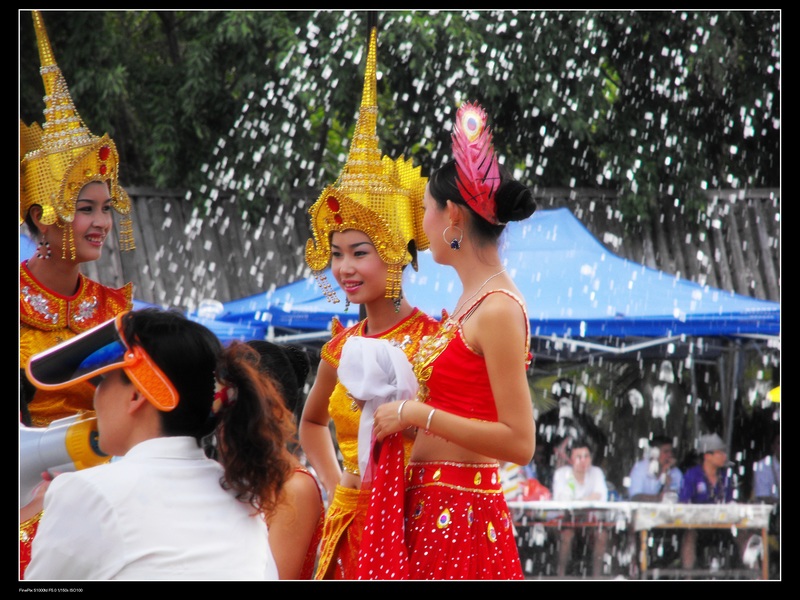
(429, 447)
(350, 480)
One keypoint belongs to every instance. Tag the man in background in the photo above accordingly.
(580, 480)
(656, 478)
(767, 490)
(656, 474)
(705, 483)
(767, 475)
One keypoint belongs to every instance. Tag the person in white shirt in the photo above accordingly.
(580, 480)
(164, 510)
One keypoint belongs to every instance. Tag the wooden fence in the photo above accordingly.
(185, 254)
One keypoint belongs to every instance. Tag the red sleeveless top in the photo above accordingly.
(453, 377)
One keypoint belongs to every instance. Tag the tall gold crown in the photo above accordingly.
(59, 159)
(380, 196)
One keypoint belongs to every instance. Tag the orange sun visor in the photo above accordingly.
(95, 352)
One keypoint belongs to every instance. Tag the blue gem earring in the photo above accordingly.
(455, 244)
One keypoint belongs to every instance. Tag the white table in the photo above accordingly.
(654, 515)
(646, 516)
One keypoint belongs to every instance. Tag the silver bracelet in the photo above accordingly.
(400, 412)
(430, 416)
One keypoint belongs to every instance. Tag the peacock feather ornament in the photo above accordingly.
(478, 173)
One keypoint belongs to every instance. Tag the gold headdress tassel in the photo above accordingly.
(377, 195)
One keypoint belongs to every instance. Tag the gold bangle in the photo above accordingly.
(400, 412)
(428, 422)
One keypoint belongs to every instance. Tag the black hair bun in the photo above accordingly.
(515, 202)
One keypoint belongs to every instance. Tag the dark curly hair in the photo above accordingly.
(251, 432)
(254, 431)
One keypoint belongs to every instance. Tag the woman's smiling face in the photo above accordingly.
(357, 266)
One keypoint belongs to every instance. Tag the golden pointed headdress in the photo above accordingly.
(379, 196)
(57, 160)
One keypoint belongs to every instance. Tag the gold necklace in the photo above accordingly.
(460, 306)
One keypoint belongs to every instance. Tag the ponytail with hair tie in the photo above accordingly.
(224, 395)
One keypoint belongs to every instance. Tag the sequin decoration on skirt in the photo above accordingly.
(458, 525)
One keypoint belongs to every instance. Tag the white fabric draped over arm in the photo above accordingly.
(374, 371)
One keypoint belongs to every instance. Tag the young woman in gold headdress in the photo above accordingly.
(367, 227)
(68, 189)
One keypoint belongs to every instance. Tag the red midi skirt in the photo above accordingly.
(458, 525)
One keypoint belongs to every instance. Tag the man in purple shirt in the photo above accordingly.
(706, 483)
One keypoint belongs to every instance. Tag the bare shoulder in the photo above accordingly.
(302, 482)
(302, 490)
(502, 306)
(499, 322)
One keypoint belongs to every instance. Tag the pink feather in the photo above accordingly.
(478, 174)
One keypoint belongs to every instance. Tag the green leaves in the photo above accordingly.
(651, 104)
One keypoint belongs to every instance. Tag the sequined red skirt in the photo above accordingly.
(458, 525)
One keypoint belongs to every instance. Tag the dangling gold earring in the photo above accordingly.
(455, 243)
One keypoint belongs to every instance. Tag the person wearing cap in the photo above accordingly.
(473, 408)
(69, 186)
(706, 483)
(367, 228)
(164, 510)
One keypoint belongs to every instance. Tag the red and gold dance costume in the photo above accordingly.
(57, 160)
(344, 521)
(27, 531)
(310, 561)
(458, 509)
(47, 319)
(381, 197)
(457, 523)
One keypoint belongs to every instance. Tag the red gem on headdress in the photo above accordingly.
(338, 219)
(103, 169)
(104, 153)
(333, 204)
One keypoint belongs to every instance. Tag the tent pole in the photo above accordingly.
(734, 389)
(723, 384)
(693, 383)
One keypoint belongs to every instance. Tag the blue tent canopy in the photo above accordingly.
(574, 289)
(573, 286)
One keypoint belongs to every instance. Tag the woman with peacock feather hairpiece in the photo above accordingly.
(473, 408)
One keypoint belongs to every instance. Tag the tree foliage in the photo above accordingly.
(654, 105)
